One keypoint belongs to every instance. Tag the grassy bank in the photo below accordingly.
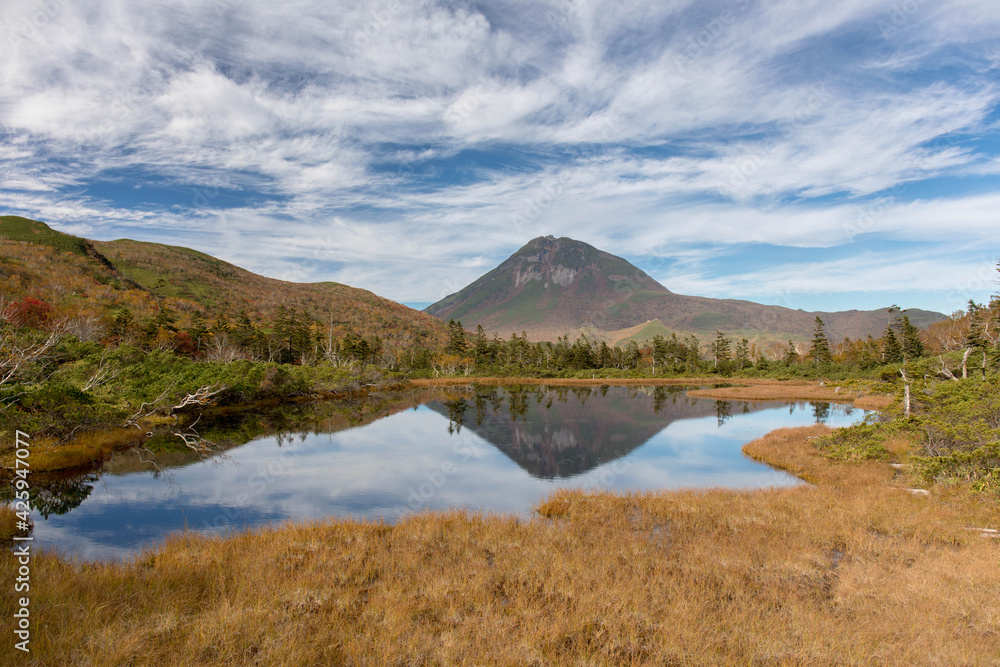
(851, 570)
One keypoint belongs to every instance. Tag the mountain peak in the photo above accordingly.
(555, 286)
(549, 283)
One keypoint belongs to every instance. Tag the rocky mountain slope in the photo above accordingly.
(551, 287)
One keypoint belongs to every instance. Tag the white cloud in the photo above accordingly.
(430, 139)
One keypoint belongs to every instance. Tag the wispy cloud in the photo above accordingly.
(408, 147)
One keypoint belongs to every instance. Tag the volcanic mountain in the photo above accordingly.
(551, 287)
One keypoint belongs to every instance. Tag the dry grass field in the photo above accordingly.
(772, 390)
(852, 569)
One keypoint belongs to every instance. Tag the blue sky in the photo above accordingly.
(817, 154)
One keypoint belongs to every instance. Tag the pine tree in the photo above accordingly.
(742, 353)
(221, 324)
(165, 319)
(124, 325)
(869, 353)
(456, 338)
(913, 347)
(974, 337)
(792, 355)
(892, 351)
(198, 329)
(480, 346)
(720, 349)
(661, 352)
(820, 350)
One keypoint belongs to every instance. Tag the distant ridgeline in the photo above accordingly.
(561, 287)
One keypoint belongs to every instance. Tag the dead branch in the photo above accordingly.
(193, 439)
(15, 355)
(965, 359)
(147, 409)
(202, 396)
(906, 391)
(945, 372)
(103, 373)
(139, 450)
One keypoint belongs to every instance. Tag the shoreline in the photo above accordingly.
(92, 448)
(743, 389)
(704, 576)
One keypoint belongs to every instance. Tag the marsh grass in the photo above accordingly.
(8, 525)
(845, 571)
(85, 449)
(772, 390)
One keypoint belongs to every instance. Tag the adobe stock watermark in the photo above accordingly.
(879, 207)
(376, 21)
(701, 42)
(606, 479)
(554, 187)
(223, 6)
(31, 26)
(747, 167)
(559, 15)
(983, 279)
(121, 109)
(624, 288)
(265, 475)
(436, 478)
(471, 99)
(22, 542)
(900, 16)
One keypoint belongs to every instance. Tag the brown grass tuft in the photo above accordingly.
(775, 390)
(8, 524)
(848, 571)
(85, 449)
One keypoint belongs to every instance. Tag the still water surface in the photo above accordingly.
(492, 449)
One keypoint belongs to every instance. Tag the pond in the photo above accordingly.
(489, 448)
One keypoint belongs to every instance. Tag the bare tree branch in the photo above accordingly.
(202, 396)
(147, 409)
(103, 373)
(945, 372)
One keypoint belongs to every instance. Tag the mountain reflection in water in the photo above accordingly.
(558, 432)
(388, 454)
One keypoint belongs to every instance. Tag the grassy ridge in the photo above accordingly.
(95, 279)
(15, 228)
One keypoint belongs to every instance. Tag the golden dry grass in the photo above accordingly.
(8, 524)
(771, 390)
(86, 449)
(849, 571)
(557, 382)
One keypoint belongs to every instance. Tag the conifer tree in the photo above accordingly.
(720, 349)
(742, 353)
(792, 355)
(892, 351)
(221, 324)
(660, 352)
(974, 337)
(820, 350)
(198, 329)
(913, 347)
(456, 338)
